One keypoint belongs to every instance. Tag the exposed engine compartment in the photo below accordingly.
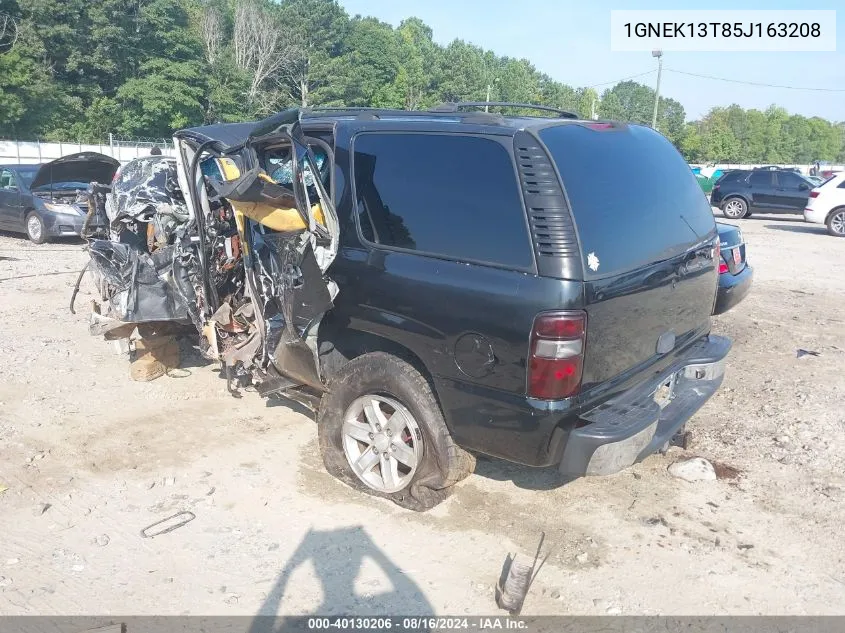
(64, 196)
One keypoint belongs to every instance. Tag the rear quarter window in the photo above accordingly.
(731, 176)
(447, 195)
(633, 197)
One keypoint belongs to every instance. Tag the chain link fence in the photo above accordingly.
(122, 148)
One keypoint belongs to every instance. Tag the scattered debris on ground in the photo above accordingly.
(695, 469)
(168, 524)
(280, 534)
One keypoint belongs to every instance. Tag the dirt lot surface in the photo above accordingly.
(90, 458)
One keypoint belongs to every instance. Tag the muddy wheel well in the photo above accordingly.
(339, 345)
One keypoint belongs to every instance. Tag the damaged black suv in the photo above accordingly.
(436, 284)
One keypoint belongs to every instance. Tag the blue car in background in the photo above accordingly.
(735, 275)
(51, 200)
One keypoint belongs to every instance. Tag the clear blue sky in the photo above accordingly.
(570, 41)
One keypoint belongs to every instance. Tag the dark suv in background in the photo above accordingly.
(448, 281)
(740, 192)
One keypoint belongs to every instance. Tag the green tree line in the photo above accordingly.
(735, 135)
(77, 70)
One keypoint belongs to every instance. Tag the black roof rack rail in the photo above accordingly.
(275, 121)
(455, 107)
(377, 113)
(316, 111)
(309, 109)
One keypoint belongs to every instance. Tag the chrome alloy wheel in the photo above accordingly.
(382, 442)
(34, 227)
(837, 222)
(733, 208)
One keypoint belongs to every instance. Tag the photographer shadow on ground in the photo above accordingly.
(337, 557)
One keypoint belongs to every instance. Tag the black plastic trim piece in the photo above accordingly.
(552, 229)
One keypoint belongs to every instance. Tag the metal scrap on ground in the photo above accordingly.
(186, 515)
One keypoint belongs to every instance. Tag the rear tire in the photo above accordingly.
(836, 222)
(734, 208)
(385, 382)
(35, 229)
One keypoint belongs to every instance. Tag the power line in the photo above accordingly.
(616, 81)
(754, 83)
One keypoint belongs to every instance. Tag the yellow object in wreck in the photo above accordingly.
(277, 218)
(228, 168)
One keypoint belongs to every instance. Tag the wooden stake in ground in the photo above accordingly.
(154, 356)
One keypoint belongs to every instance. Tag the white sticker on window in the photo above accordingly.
(593, 262)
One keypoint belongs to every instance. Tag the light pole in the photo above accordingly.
(659, 55)
(487, 100)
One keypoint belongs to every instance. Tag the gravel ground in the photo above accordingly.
(90, 458)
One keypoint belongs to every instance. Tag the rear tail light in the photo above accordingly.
(556, 357)
(717, 253)
(814, 194)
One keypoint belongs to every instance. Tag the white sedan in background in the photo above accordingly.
(826, 205)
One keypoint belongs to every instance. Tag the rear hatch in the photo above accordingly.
(647, 237)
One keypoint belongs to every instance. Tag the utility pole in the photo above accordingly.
(659, 55)
(489, 88)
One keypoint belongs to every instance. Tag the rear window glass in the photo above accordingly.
(732, 176)
(633, 196)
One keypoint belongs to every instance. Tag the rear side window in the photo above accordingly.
(761, 179)
(633, 197)
(446, 195)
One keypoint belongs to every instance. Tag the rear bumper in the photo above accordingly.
(632, 426)
(815, 216)
(732, 289)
